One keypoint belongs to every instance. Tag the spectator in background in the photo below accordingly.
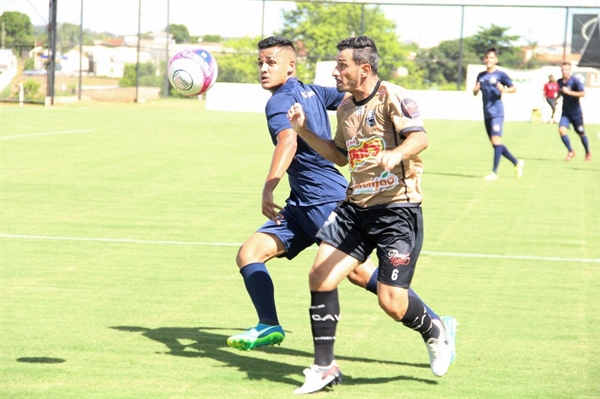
(551, 94)
(571, 90)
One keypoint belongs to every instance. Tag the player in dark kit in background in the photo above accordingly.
(316, 187)
(493, 83)
(379, 136)
(551, 94)
(571, 90)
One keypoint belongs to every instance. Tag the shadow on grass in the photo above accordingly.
(205, 342)
(42, 359)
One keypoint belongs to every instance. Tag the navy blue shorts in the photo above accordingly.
(493, 126)
(299, 226)
(396, 233)
(576, 121)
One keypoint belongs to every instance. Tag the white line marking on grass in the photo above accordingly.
(17, 136)
(226, 244)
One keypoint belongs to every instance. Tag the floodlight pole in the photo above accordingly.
(137, 65)
(565, 37)
(460, 49)
(80, 49)
(51, 54)
(166, 92)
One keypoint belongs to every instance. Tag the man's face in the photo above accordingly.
(346, 72)
(566, 70)
(490, 60)
(275, 66)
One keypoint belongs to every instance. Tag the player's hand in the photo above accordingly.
(388, 159)
(269, 208)
(296, 117)
(500, 87)
(566, 90)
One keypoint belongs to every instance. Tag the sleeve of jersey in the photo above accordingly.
(276, 112)
(506, 80)
(404, 112)
(578, 86)
(338, 138)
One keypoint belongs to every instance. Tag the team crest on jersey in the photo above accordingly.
(386, 181)
(493, 80)
(371, 118)
(398, 259)
(361, 150)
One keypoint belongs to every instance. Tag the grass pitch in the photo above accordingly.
(120, 223)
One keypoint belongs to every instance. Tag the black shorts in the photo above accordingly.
(396, 233)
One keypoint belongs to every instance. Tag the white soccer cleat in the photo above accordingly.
(442, 350)
(318, 377)
(490, 177)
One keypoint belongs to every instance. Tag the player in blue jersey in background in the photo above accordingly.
(493, 83)
(571, 89)
(316, 188)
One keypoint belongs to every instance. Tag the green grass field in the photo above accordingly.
(119, 229)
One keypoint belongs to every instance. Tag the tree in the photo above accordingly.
(180, 33)
(318, 27)
(239, 65)
(68, 37)
(441, 63)
(17, 28)
(147, 76)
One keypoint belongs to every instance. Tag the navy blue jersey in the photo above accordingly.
(313, 179)
(571, 105)
(492, 97)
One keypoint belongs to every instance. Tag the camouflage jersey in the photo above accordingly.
(380, 122)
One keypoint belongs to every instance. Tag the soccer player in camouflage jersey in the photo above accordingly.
(315, 183)
(380, 136)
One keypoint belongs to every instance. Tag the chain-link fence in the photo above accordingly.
(438, 40)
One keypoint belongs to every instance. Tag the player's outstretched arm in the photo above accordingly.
(326, 148)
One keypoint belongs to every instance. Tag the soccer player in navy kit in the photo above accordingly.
(493, 83)
(316, 188)
(380, 135)
(571, 89)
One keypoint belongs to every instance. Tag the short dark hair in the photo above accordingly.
(275, 41)
(491, 50)
(365, 50)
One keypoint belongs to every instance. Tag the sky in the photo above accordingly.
(425, 25)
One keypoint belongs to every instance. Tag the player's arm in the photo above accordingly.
(282, 158)
(476, 88)
(326, 148)
(573, 93)
(415, 142)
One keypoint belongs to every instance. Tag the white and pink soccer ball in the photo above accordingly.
(192, 72)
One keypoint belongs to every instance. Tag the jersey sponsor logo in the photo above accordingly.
(371, 118)
(386, 181)
(307, 94)
(410, 108)
(361, 150)
(344, 101)
(398, 259)
(327, 317)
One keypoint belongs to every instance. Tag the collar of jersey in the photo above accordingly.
(366, 100)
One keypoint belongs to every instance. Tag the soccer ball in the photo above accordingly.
(192, 72)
